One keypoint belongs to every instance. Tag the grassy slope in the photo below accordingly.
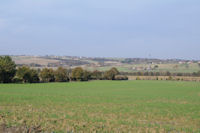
(103, 105)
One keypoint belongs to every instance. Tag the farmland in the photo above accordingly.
(104, 106)
(104, 64)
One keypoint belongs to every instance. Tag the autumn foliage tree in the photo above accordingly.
(96, 75)
(86, 75)
(78, 74)
(47, 75)
(61, 75)
(110, 74)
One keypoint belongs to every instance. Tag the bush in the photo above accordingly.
(170, 78)
(17, 80)
(121, 77)
(138, 78)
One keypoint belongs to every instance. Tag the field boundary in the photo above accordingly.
(177, 78)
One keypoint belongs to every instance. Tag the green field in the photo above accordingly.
(104, 106)
(173, 68)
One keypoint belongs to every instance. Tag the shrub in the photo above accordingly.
(170, 78)
(121, 77)
(17, 80)
(138, 78)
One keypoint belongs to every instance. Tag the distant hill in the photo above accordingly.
(123, 64)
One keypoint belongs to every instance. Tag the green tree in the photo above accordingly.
(27, 75)
(77, 74)
(61, 75)
(96, 75)
(7, 69)
(86, 76)
(114, 70)
(47, 75)
(110, 75)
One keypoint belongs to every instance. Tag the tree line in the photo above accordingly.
(167, 73)
(9, 73)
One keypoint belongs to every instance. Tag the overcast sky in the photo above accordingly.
(101, 28)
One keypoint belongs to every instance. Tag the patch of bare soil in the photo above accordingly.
(22, 129)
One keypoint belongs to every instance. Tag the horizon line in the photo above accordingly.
(102, 57)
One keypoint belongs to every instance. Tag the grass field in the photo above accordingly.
(104, 106)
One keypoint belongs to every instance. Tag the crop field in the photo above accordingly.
(182, 68)
(102, 106)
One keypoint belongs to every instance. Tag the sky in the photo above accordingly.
(101, 28)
